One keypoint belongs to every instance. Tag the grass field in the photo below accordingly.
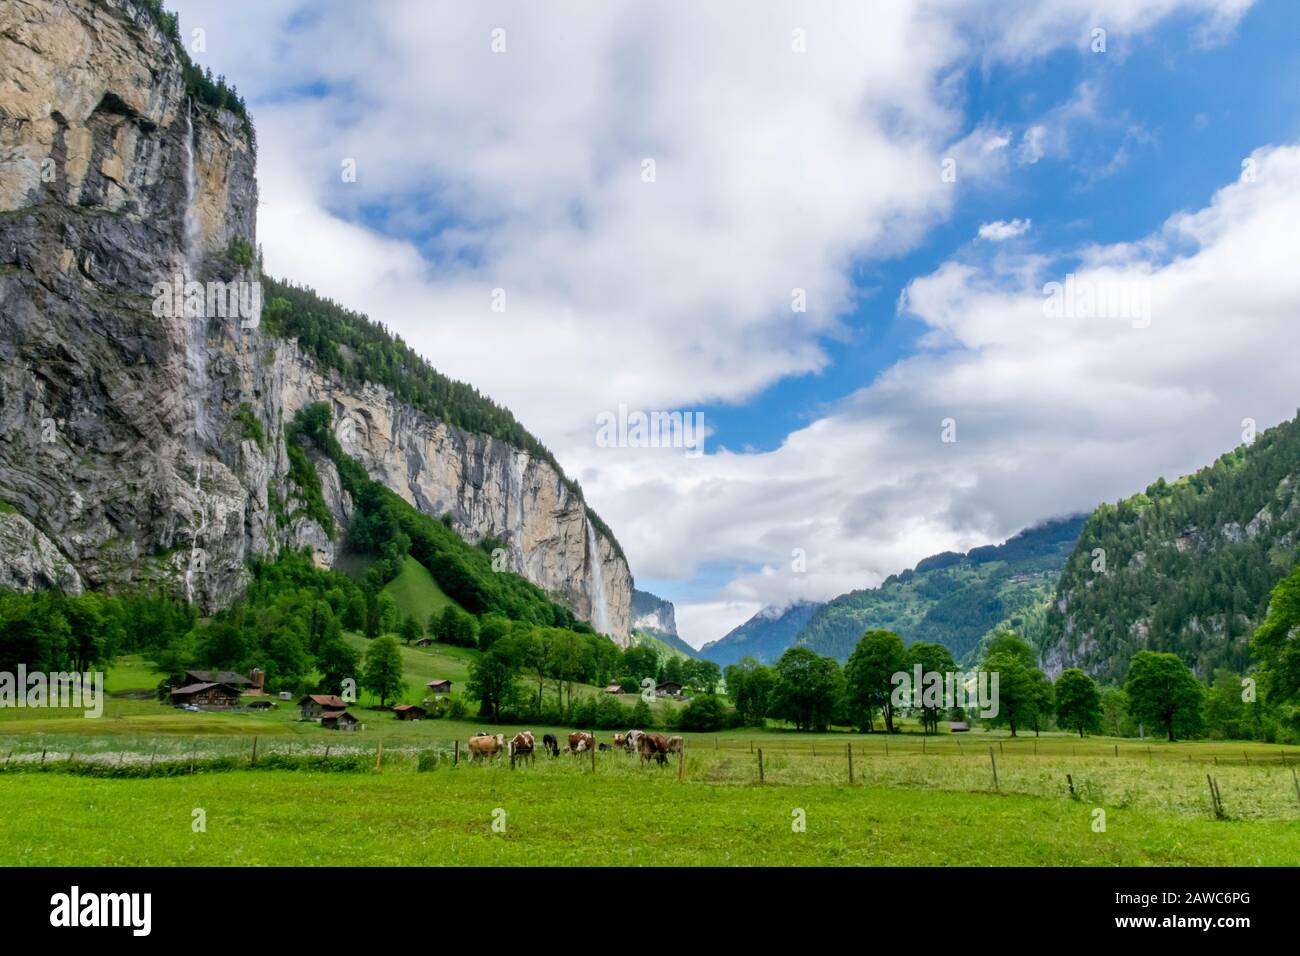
(416, 593)
(912, 800)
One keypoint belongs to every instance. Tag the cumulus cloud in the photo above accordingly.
(1001, 230)
(775, 170)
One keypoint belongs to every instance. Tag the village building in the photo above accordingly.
(205, 694)
(614, 689)
(439, 686)
(669, 688)
(230, 678)
(339, 720)
(410, 712)
(314, 706)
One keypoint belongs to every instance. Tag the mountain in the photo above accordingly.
(953, 599)
(1188, 565)
(765, 636)
(654, 617)
(151, 372)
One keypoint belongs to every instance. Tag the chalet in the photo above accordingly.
(959, 727)
(669, 688)
(261, 703)
(410, 712)
(314, 706)
(439, 686)
(229, 678)
(205, 694)
(339, 720)
(614, 689)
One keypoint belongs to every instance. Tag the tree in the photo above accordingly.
(455, 627)
(410, 630)
(389, 615)
(933, 659)
(703, 714)
(869, 677)
(382, 672)
(750, 685)
(1225, 711)
(1115, 719)
(1163, 692)
(808, 689)
(492, 680)
(1078, 702)
(704, 676)
(337, 662)
(1275, 644)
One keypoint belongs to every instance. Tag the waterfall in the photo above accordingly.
(596, 575)
(196, 359)
(190, 240)
(196, 534)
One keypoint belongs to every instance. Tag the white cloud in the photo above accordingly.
(1001, 230)
(776, 170)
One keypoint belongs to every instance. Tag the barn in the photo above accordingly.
(339, 720)
(205, 694)
(229, 678)
(314, 705)
(410, 712)
(614, 689)
(669, 688)
(439, 686)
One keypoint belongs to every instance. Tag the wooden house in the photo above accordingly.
(439, 686)
(614, 689)
(669, 688)
(314, 706)
(205, 694)
(229, 678)
(410, 712)
(339, 720)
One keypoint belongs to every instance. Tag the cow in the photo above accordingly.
(551, 744)
(604, 747)
(630, 741)
(676, 745)
(619, 739)
(522, 745)
(581, 742)
(486, 745)
(653, 746)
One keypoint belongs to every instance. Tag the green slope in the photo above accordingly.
(1189, 565)
(952, 599)
(416, 593)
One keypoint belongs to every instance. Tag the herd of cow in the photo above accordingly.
(655, 747)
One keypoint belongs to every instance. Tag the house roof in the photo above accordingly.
(438, 683)
(233, 678)
(325, 700)
(195, 688)
(614, 689)
(406, 707)
(330, 714)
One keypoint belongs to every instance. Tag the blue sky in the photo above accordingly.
(520, 169)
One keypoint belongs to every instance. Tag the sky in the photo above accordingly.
(839, 231)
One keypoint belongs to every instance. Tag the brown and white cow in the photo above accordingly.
(581, 742)
(653, 746)
(522, 745)
(676, 745)
(485, 745)
(630, 741)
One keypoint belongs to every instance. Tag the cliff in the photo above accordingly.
(142, 437)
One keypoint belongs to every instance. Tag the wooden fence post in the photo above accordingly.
(994, 762)
(42, 756)
(681, 763)
(1070, 780)
(1296, 781)
(379, 755)
(760, 764)
(455, 757)
(593, 753)
(1117, 750)
(1215, 801)
(1000, 750)
(850, 764)
(152, 755)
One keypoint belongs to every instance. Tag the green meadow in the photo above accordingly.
(67, 795)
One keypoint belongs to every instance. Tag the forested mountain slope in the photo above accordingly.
(952, 599)
(1185, 566)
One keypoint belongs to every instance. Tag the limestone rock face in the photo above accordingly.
(126, 452)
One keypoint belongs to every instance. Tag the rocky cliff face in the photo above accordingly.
(652, 613)
(127, 450)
